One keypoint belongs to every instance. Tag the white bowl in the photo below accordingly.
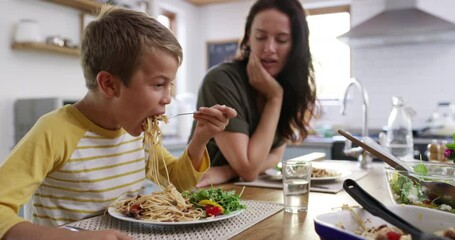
(327, 225)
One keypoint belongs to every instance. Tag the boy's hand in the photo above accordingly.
(212, 120)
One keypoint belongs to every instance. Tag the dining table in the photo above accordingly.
(264, 217)
(283, 225)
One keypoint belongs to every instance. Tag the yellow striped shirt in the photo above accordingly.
(73, 169)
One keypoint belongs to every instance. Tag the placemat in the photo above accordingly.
(333, 186)
(255, 212)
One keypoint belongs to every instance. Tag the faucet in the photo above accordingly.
(363, 157)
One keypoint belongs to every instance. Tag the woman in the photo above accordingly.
(270, 84)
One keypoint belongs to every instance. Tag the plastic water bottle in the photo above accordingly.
(399, 140)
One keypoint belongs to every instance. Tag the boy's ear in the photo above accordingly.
(107, 84)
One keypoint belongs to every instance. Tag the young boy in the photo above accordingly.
(79, 159)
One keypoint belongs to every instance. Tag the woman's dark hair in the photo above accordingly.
(297, 76)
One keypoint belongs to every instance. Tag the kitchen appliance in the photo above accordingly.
(401, 21)
(27, 111)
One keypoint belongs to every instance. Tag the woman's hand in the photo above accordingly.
(261, 80)
(217, 175)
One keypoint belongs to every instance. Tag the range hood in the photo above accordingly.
(402, 22)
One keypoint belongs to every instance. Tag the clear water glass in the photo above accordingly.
(296, 185)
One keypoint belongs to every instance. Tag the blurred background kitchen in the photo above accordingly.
(392, 48)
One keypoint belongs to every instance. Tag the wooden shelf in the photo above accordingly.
(46, 48)
(89, 6)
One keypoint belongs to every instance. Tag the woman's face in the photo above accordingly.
(270, 39)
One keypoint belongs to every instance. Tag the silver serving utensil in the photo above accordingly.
(375, 207)
(440, 191)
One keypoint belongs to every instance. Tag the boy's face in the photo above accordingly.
(148, 93)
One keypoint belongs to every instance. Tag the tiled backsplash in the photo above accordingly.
(423, 74)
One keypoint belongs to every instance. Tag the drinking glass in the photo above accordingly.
(296, 185)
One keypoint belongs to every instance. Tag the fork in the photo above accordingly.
(180, 114)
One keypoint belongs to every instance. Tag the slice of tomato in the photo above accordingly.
(212, 210)
(391, 235)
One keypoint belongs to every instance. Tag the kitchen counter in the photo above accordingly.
(331, 146)
(336, 145)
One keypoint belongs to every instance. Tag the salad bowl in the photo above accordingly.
(433, 184)
(404, 189)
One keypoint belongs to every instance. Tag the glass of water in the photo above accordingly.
(296, 185)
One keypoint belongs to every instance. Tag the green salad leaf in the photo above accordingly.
(229, 200)
(421, 169)
(408, 191)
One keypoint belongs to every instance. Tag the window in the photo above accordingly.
(167, 18)
(331, 57)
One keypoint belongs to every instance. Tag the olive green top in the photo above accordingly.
(228, 84)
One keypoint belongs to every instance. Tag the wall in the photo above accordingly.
(420, 73)
(27, 74)
(188, 33)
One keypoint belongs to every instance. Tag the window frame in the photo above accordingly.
(172, 16)
(330, 10)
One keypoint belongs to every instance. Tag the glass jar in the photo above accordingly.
(399, 140)
(433, 150)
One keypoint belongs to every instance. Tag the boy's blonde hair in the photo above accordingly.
(117, 41)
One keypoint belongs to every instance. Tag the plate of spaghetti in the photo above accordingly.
(120, 216)
(168, 206)
(172, 219)
(317, 173)
(327, 174)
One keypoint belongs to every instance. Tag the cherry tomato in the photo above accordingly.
(393, 235)
(212, 210)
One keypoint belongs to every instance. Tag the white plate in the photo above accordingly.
(276, 175)
(429, 220)
(113, 212)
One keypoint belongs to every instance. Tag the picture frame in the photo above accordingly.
(221, 51)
